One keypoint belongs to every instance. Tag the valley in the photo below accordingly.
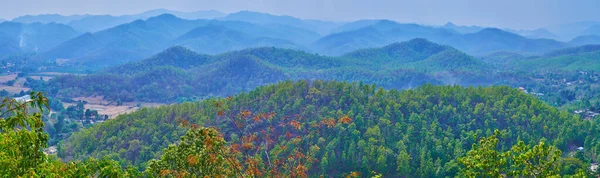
(167, 93)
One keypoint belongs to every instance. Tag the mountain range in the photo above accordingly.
(94, 23)
(185, 73)
(31, 38)
(383, 32)
(140, 38)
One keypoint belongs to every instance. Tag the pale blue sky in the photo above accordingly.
(516, 14)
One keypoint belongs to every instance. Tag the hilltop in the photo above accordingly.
(357, 127)
(190, 74)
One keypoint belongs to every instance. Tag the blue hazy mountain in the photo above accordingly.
(384, 32)
(491, 40)
(94, 23)
(537, 33)
(48, 18)
(99, 22)
(281, 31)
(184, 72)
(321, 27)
(573, 50)
(569, 31)
(565, 59)
(462, 28)
(142, 38)
(31, 38)
(126, 42)
(585, 39)
(215, 38)
(592, 30)
(208, 14)
(380, 33)
(351, 26)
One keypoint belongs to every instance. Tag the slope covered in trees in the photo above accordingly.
(178, 73)
(142, 38)
(380, 33)
(357, 127)
(17, 38)
(581, 58)
(213, 39)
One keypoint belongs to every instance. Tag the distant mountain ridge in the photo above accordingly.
(581, 58)
(140, 37)
(48, 18)
(383, 32)
(574, 50)
(585, 39)
(94, 23)
(31, 38)
(130, 41)
(187, 73)
(322, 27)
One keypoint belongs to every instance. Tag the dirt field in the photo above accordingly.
(94, 103)
(13, 89)
(110, 108)
(6, 78)
(16, 88)
(46, 78)
(54, 73)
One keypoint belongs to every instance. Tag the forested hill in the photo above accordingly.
(178, 74)
(410, 133)
(420, 54)
(582, 58)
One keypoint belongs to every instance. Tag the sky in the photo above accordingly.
(516, 14)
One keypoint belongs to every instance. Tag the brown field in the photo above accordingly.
(13, 89)
(6, 78)
(46, 78)
(55, 73)
(16, 88)
(20, 82)
(110, 108)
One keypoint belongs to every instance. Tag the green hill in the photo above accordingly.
(572, 62)
(415, 133)
(402, 65)
(214, 39)
(32, 37)
(123, 43)
(384, 32)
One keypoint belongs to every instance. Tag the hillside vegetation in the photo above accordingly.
(179, 74)
(412, 133)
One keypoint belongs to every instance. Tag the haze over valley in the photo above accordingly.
(240, 92)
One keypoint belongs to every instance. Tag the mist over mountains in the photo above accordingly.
(104, 40)
(251, 94)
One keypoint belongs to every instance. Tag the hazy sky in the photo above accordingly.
(499, 13)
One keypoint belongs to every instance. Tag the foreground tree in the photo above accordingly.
(201, 152)
(484, 160)
(22, 136)
(22, 140)
(540, 161)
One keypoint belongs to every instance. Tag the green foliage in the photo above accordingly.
(483, 160)
(21, 135)
(409, 133)
(22, 140)
(180, 73)
(200, 152)
(540, 161)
